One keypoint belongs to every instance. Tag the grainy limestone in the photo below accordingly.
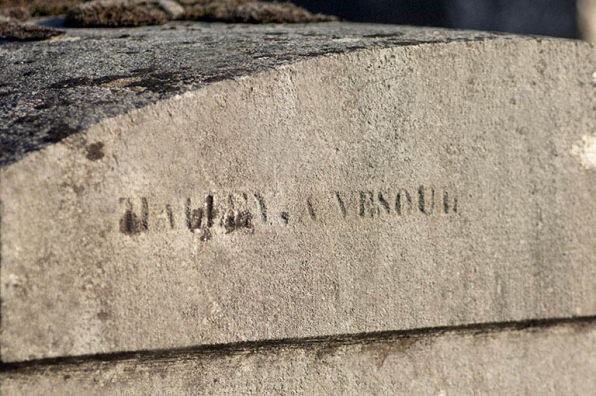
(557, 360)
(345, 179)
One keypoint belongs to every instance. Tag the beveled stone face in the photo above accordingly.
(385, 189)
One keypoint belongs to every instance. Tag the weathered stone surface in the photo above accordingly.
(53, 89)
(557, 360)
(400, 186)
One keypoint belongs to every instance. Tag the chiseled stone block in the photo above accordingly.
(246, 183)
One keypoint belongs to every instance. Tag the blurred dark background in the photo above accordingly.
(543, 17)
(559, 18)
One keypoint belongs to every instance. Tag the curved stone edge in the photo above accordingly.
(93, 74)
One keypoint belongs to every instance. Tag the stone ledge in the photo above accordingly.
(536, 360)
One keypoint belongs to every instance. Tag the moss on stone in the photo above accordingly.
(120, 13)
(18, 13)
(14, 30)
(129, 13)
(40, 7)
(248, 11)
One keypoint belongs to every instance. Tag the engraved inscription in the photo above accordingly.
(311, 210)
(384, 204)
(426, 200)
(285, 217)
(262, 206)
(403, 202)
(367, 204)
(238, 215)
(132, 223)
(170, 215)
(225, 213)
(449, 205)
(342, 205)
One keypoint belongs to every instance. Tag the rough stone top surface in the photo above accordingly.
(52, 89)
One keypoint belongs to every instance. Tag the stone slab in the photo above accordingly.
(557, 360)
(394, 186)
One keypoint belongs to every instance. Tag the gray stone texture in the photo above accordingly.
(53, 89)
(557, 360)
(279, 182)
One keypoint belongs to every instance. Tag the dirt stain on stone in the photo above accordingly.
(379, 351)
(103, 315)
(326, 351)
(95, 151)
